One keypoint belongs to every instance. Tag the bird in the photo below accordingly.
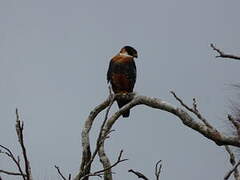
(122, 74)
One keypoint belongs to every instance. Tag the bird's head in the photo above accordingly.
(130, 51)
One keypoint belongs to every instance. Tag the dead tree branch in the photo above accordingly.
(202, 127)
(194, 109)
(231, 171)
(138, 174)
(103, 171)
(14, 159)
(86, 153)
(223, 55)
(100, 143)
(104, 131)
(158, 169)
(210, 133)
(61, 175)
(11, 173)
(235, 123)
(234, 169)
(19, 130)
(27, 175)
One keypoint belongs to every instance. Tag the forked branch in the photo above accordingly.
(25, 174)
(235, 165)
(158, 169)
(203, 127)
(224, 55)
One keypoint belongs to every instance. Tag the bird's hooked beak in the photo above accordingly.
(135, 55)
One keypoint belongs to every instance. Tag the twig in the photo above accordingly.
(231, 171)
(235, 123)
(138, 174)
(193, 110)
(99, 173)
(119, 160)
(231, 155)
(62, 176)
(11, 173)
(232, 160)
(158, 169)
(19, 130)
(16, 161)
(223, 55)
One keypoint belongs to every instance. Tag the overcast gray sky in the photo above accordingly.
(54, 55)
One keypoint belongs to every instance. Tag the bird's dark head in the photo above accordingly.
(128, 50)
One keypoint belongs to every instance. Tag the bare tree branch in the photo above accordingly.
(235, 123)
(193, 110)
(27, 175)
(103, 171)
(12, 157)
(232, 160)
(87, 161)
(100, 142)
(203, 127)
(119, 160)
(103, 132)
(86, 153)
(61, 175)
(231, 171)
(211, 133)
(19, 130)
(138, 174)
(158, 169)
(223, 55)
(11, 173)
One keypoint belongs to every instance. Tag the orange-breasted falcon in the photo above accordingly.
(122, 74)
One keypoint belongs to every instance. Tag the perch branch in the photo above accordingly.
(104, 131)
(210, 133)
(223, 55)
(203, 127)
(86, 153)
(100, 143)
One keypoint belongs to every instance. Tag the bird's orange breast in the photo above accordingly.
(122, 59)
(121, 83)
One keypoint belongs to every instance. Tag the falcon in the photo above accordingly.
(122, 74)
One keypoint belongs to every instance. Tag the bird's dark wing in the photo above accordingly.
(109, 72)
(132, 74)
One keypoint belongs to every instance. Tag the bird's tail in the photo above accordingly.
(121, 103)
